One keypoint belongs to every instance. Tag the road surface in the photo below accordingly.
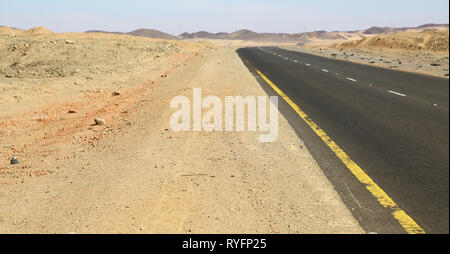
(394, 125)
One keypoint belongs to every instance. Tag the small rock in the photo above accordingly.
(116, 93)
(14, 161)
(72, 111)
(100, 121)
(435, 64)
(70, 42)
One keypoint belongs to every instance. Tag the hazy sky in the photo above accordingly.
(177, 16)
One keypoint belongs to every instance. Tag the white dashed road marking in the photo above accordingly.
(396, 93)
(351, 79)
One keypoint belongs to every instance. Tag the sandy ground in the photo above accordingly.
(38, 69)
(423, 52)
(135, 175)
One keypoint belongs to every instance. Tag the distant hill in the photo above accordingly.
(248, 35)
(205, 35)
(35, 31)
(38, 31)
(150, 33)
(238, 35)
(432, 25)
(103, 32)
(378, 30)
(11, 27)
(384, 30)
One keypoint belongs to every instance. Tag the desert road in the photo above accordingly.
(383, 139)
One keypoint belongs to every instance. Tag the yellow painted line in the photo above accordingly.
(401, 216)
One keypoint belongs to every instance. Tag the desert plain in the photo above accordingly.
(131, 173)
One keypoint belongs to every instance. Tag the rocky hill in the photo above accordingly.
(149, 33)
(248, 35)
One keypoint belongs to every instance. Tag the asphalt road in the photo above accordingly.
(393, 124)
